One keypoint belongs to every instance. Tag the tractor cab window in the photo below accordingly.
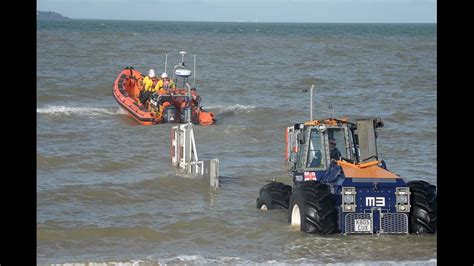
(354, 142)
(315, 157)
(337, 144)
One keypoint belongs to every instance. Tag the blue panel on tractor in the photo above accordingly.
(375, 210)
(375, 201)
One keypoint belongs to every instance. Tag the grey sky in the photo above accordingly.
(388, 11)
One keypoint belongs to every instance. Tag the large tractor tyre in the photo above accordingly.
(423, 212)
(274, 195)
(313, 208)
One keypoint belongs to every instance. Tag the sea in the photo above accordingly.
(107, 193)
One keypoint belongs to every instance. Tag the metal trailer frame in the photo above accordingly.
(184, 155)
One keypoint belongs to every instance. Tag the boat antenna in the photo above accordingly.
(331, 112)
(194, 74)
(166, 61)
(182, 57)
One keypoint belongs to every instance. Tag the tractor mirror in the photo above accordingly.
(293, 157)
(378, 123)
(300, 138)
(321, 128)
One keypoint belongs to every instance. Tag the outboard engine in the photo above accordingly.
(154, 101)
(185, 114)
(170, 115)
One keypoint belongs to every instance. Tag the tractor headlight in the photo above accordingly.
(403, 199)
(348, 199)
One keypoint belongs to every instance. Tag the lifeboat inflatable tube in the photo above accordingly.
(126, 90)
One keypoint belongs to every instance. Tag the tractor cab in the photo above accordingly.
(313, 145)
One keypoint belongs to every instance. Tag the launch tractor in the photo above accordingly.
(341, 186)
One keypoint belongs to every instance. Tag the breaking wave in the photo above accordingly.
(235, 107)
(198, 259)
(65, 110)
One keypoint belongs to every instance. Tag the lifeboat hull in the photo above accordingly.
(126, 90)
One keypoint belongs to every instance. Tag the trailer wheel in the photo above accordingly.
(313, 208)
(274, 195)
(423, 212)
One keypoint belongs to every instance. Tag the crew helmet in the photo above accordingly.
(151, 73)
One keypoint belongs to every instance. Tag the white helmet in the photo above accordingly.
(151, 73)
(164, 75)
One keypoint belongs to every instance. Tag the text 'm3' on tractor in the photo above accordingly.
(348, 191)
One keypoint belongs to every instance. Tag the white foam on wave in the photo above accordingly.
(197, 259)
(114, 263)
(376, 263)
(67, 110)
(188, 258)
(234, 129)
(235, 107)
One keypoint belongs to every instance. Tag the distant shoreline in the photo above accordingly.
(50, 15)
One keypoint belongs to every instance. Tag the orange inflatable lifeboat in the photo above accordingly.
(180, 105)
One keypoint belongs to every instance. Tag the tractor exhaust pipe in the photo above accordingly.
(310, 101)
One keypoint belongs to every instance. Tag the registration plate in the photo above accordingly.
(363, 225)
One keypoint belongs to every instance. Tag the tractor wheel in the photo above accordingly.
(313, 208)
(274, 195)
(423, 212)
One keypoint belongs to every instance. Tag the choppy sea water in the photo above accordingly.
(106, 190)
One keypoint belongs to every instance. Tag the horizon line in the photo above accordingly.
(238, 21)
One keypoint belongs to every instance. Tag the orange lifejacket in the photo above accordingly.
(163, 92)
(136, 89)
(206, 118)
(132, 88)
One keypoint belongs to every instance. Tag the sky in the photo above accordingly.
(319, 11)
